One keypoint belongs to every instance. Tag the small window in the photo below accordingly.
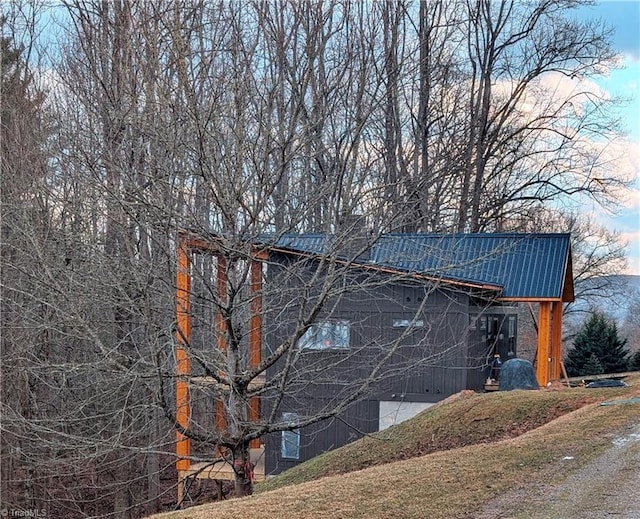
(290, 441)
(330, 335)
(408, 323)
(483, 323)
(512, 326)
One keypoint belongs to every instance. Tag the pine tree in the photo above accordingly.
(598, 338)
(634, 362)
(593, 366)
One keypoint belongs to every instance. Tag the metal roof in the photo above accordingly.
(526, 266)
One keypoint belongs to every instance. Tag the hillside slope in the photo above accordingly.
(461, 481)
(467, 418)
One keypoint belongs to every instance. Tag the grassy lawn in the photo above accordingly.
(446, 462)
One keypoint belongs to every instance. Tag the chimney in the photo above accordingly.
(354, 238)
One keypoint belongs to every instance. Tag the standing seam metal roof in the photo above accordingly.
(532, 266)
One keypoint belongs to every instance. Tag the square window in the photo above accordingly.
(329, 335)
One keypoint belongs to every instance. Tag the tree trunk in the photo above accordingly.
(243, 469)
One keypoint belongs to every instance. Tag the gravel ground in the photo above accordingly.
(606, 487)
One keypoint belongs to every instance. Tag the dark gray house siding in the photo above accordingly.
(436, 349)
(360, 418)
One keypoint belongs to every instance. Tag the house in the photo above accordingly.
(450, 300)
(425, 313)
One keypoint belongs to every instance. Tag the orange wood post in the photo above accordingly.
(556, 339)
(221, 328)
(255, 334)
(255, 337)
(183, 363)
(544, 340)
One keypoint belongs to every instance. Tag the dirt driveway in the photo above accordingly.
(606, 487)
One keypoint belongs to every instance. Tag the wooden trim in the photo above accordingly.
(544, 340)
(187, 243)
(192, 241)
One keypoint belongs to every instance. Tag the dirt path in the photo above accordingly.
(606, 487)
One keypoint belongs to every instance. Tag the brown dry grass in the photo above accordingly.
(451, 483)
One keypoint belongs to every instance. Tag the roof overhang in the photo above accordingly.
(372, 267)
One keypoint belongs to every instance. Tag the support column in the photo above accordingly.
(221, 329)
(544, 342)
(255, 337)
(183, 363)
(556, 339)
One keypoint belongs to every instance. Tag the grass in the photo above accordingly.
(468, 419)
(446, 462)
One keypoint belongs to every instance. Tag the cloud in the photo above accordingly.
(578, 89)
(632, 199)
(629, 58)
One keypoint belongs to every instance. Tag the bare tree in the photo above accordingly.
(242, 122)
(516, 154)
(25, 228)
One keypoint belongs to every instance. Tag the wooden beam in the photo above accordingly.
(255, 337)
(183, 363)
(556, 340)
(255, 332)
(221, 329)
(544, 340)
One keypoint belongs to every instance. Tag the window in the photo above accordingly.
(332, 335)
(290, 441)
(483, 323)
(512, 326)
(408, 323)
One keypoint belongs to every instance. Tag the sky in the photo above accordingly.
(624, 18)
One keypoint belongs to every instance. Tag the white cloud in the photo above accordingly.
(632, 199)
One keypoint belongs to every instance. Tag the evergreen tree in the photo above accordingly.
(598, 338)
(593, 366)
(634, 362)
